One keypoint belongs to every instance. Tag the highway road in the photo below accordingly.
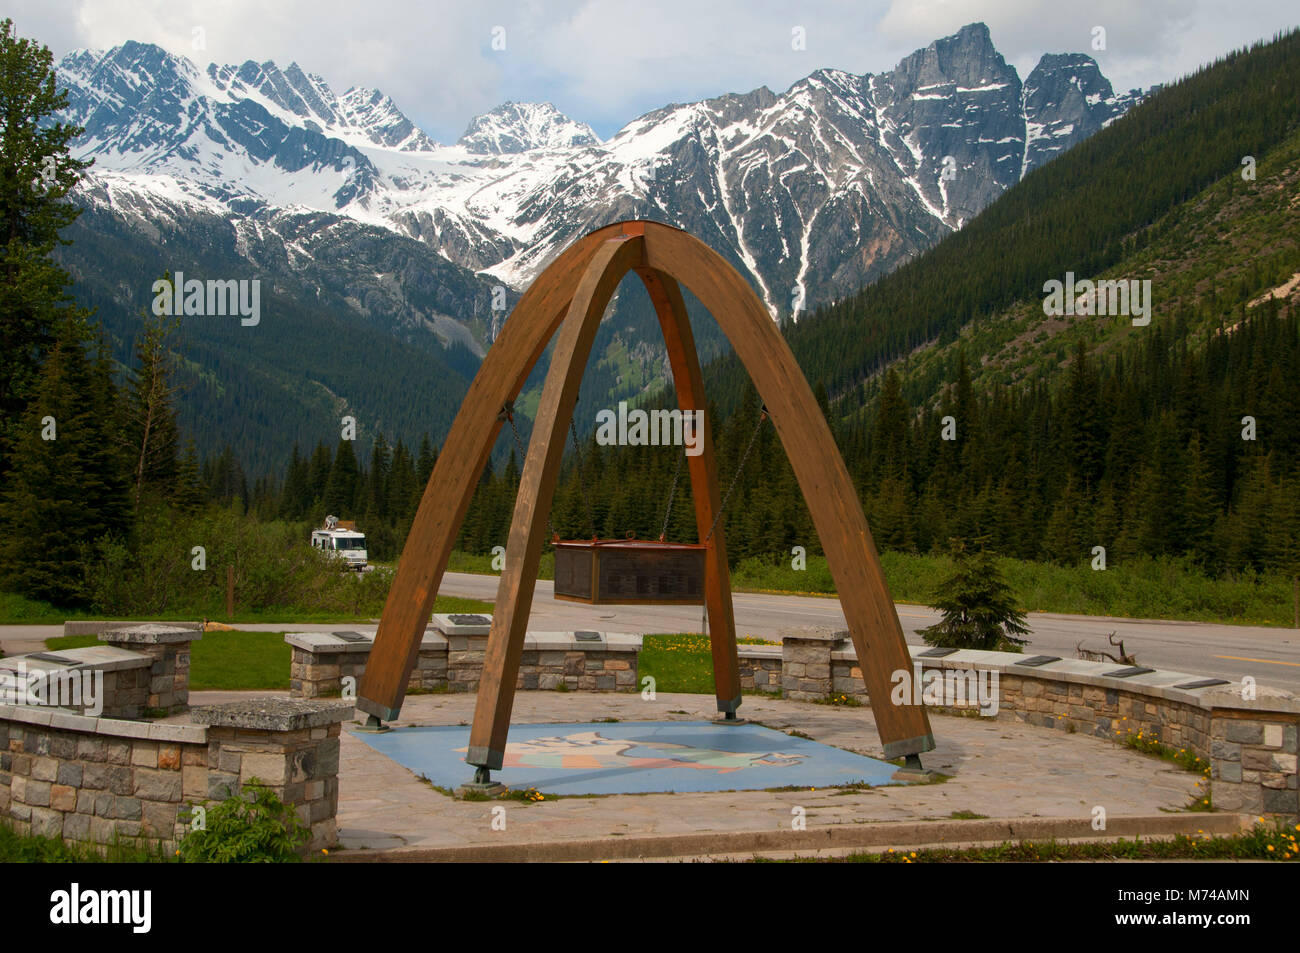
(1270, 655)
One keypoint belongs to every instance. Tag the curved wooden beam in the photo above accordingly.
(496, 687)
(460, 464)
(576, 289)
(689, 384)
(824, 480)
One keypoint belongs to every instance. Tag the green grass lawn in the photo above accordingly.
(1142, 588)
(482, 565)
(680, 662)
(237, 660)
(19, 610)
(222, 660)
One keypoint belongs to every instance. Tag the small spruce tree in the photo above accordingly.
(978, 609)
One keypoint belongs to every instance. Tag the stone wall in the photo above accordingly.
(606, 664)
(806, 661)
(321, 660)
(1250, 743)
(760, 668)
(94, 779)
(98, 779)
(451, 659)
(290, 745)
(119, 686)
(99, 776)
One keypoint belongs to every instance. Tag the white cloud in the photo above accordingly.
(607, 61)
(1147, 42)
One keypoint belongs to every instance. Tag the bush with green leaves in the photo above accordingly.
(275, 567)
(979, 611)
(251, 827)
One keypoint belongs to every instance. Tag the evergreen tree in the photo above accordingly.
(890, 436)
(340, 496)
(322, 462)
(377, 479)
(188, 492)
(36, 175)
(296, 495)
(978, 609)
(1081, 425)
(68, 485)
(402, 492)
(152, 436)
(425, 462)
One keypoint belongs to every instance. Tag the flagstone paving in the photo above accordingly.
(998, 769)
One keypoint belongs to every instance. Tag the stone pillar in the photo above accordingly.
(760, 668)
(467, 637)
(1253, 762)
(169, 647)
(289, 744)
(806, 661)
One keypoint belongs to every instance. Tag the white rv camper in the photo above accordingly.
(342, 541)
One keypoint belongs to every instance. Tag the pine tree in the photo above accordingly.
(295, 495)
(340, 496)
(67, 487)
(402, 491)
(187, 492)
(152, 435)
(36, 175)
(1081, 425)
(377, 479)
(322, 462)
(1199, 505)
(425, 462)
(978, 609)
(889, 438)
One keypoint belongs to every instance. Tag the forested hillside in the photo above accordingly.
(1180, 438)
(1084, 212)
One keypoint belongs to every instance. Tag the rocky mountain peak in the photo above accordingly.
(513, 128)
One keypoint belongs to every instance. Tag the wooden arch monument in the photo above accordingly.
(571, 296)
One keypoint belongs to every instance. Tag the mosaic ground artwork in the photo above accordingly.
(638, 757)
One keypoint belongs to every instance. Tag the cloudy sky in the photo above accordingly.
(607, 61)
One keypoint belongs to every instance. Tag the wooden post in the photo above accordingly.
(460, 464)
(1295, 600)
(688, 381)
(230, 592)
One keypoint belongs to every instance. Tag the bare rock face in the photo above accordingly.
(352, 216)
(521, 127)
(1066, 100)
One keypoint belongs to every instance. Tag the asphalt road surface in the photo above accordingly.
(1271, 655)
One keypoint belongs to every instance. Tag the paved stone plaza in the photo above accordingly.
(998, 768)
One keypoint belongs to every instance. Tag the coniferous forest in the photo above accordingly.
(1181, 442)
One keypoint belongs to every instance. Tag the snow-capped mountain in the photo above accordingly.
(522, 127)
(813, 191)
(1066, 100)
(342, 201)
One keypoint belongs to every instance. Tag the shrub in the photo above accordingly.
(275, 567)
(252, 827)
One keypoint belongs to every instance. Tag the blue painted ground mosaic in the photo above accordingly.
(635, 758)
